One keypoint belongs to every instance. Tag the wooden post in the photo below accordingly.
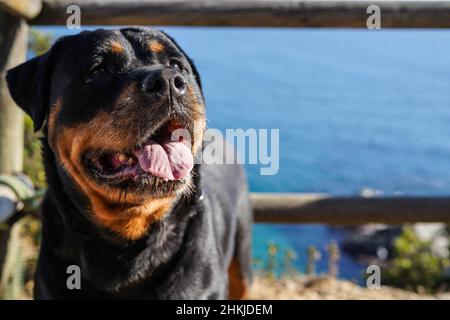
(13, 49)
(27, 9)
(8, 202)
(322, 208)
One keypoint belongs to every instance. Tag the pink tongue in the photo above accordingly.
(171, 160)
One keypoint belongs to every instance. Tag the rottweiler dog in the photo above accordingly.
(123, 116)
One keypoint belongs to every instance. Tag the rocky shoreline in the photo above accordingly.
(372, 243)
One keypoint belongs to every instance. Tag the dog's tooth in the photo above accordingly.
(122, 158)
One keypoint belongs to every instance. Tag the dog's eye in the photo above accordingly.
(176, 64)
(96, 72)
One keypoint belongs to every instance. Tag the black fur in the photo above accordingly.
(186, 255)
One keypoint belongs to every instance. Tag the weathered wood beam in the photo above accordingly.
(8, 205)
(13, 50)
(27, 9)
(249, 13)
(318, 208)
(321, 208)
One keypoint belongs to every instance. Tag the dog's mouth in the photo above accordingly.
(164, 155)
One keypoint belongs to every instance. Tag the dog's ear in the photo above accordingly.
(193, 67)
(29, 85)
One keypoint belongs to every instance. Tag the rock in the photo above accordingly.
(373, 240)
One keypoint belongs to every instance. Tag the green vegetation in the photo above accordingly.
(39, 42)
(415, 266)
(333, 259)
(314, 255)
(32, 162)
(280, 263)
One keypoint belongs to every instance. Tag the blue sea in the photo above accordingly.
(355, 109)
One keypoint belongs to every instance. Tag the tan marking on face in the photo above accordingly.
(156, 46)
(198, 114)
(116, 47)
(130, 218)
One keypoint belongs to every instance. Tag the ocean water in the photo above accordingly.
(355, 109)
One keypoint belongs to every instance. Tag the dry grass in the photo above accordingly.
(326, 288)
(315, 288)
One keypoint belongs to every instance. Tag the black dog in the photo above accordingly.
(125, 201)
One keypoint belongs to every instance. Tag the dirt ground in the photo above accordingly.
(317, 288)
(326, 288)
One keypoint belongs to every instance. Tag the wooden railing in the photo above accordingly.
(243, 13)
(325, 209)
(315, 208)
(249, 13)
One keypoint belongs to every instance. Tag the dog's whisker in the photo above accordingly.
(102, 128)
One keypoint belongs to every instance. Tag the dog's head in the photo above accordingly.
(124, 116)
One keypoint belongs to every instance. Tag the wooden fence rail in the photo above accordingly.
(321, 208)
(248, 13)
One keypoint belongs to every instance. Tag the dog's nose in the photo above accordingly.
(178, 84)
(164, 82)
